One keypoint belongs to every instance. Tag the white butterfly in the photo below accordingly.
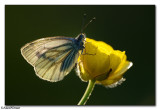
(53, 57)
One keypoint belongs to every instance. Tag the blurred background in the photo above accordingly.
(127, 28)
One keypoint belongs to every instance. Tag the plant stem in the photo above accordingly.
(87, 93)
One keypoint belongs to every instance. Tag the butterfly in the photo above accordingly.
(53, 57)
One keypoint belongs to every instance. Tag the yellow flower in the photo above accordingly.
(102, 63)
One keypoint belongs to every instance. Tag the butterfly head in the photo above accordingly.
(80, 40)
(81, 37)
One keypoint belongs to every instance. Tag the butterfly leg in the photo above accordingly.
(85, 53)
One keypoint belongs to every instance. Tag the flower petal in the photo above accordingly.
(117, 76)
(122, 69)
(95, 58)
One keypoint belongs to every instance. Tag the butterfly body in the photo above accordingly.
(53, 57)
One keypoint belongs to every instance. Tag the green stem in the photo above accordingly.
(87, 92)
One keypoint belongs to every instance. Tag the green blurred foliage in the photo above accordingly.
(126, 28)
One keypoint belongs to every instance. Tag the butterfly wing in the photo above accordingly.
(31, 51)
(52, 58)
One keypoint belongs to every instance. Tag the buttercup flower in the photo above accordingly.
(100, 62)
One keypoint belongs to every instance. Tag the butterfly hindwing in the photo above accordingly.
(50, 67)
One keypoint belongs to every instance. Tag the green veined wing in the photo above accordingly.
(52, 58)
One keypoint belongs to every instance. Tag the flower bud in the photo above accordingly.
(102, 63)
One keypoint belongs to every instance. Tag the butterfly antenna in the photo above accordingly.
(83, 27)
(83, 22)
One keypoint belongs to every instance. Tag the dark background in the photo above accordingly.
(126, 28)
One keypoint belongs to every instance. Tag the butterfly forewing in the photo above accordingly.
(31, 51)
(52, 58)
